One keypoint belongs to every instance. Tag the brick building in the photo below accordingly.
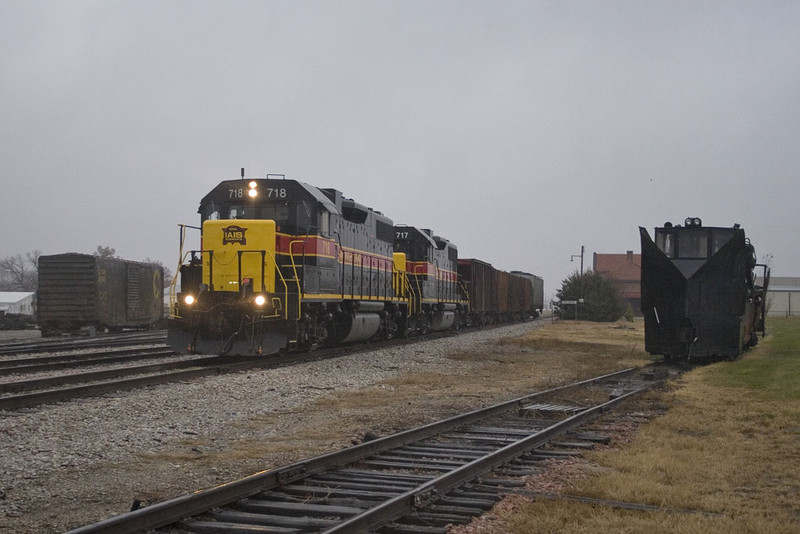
(625, 271)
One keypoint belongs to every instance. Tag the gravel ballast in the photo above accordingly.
(73, 463)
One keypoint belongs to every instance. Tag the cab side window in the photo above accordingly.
(210, 212)
(325, 223)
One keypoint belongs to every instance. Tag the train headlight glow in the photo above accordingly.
(188, 299)
(253, 192)
(260, 300)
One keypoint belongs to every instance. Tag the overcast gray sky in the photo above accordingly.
(519, 130)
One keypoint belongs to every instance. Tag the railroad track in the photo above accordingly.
(21, 393)
(74, 360)
(59, 344)
(415, 481)
(28, 393)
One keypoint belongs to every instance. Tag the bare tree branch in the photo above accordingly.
(20, 273)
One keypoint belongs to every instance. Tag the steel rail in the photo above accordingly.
(27, 400)
(105, 374)
(173, 510)
(405, 503)
(28, 347)
(291, 358)
(68, 361)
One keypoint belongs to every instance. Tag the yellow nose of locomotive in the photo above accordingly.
(239, 252)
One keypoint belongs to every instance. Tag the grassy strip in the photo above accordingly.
(772, 372)
(729, 445)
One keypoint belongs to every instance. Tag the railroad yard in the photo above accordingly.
(69, 464)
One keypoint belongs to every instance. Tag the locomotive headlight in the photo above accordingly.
(253, 192)
(189, 300)
(260, 300)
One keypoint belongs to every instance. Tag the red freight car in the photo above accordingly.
(497, 296)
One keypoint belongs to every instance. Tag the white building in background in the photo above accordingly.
(16, 302)
(783, 296)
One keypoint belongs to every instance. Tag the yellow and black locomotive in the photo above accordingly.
(286, 265)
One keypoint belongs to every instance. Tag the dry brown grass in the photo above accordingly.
(732, 452)
(618, 336)
(548, 356)
(512, 368)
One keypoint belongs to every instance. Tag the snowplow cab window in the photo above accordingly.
(693, 244)
(666, 243)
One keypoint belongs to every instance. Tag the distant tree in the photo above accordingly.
(20, 272)
(601, 300)
(629, 315)
(105, 252)
(167, 271)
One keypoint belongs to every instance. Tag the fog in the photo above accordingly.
(519, 130)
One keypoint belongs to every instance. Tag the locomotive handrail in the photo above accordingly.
(173, 285)
(414, 301)
(409, 291)
(296, 277)
(416, 298)
(173, 296)
(340, 252)
(361, 278)
(264, 253)
(173, 290)
(402, 287)
(283, 281)
(398, 282)
(301, 289)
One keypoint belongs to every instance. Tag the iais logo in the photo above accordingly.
(234, 234)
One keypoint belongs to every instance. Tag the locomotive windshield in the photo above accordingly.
(296, 208)
(237, 210)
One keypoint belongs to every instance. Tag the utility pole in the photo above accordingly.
(572, 258)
